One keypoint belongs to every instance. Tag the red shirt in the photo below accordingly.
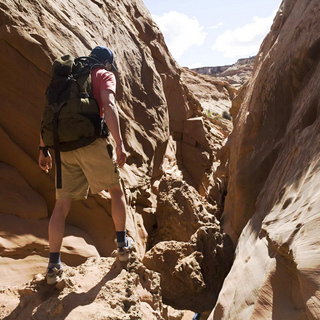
(102, 79)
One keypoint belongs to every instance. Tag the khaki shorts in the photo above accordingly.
(87, 167)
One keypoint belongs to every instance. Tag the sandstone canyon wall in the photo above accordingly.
(272, 205)
(173, 172)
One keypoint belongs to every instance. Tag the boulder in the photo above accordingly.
(192, 272)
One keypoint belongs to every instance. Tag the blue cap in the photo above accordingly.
(104, 54)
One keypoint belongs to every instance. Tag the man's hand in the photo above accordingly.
(45, 163)
(121, 155)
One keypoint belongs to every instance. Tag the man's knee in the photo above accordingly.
(63, 205)
(115, 191)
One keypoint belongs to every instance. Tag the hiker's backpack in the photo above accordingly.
(71, 117)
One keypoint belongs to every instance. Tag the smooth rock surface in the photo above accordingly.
(17, 197)
(272, 205)
(24, 249)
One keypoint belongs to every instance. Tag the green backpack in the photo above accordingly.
(71, 117)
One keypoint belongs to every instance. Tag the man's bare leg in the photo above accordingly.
(57, 223)
(56, 232)
(118, 208)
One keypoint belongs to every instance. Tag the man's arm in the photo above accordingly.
(111, 117)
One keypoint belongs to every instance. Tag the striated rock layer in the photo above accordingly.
(212, 95)
(236, 74)
(272, 205)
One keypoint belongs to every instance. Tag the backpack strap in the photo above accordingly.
(56, 143)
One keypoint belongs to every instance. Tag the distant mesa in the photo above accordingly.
(236, 74)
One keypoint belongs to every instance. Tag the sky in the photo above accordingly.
(203, 33)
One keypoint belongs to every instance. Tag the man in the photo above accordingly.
(90, 167)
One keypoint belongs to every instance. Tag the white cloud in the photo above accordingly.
(243, 41)
(216, 26)
(180, 32)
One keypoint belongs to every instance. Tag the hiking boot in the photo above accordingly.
(124, 252)
(54, 274)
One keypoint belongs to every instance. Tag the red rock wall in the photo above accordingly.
(151, 96)
(33, 34)
(272, 205)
